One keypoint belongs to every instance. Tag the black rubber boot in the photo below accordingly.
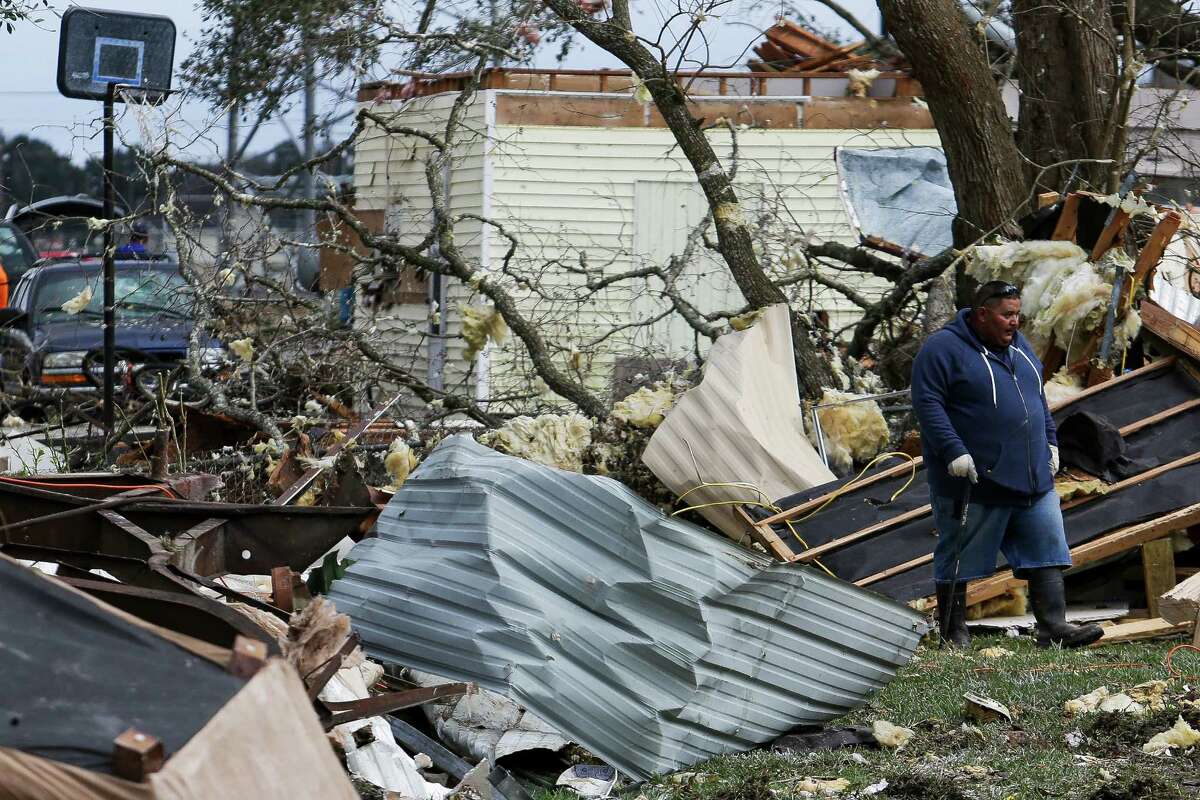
(1049, 602)
(952, 600)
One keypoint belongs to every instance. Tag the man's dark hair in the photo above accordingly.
(993, 291)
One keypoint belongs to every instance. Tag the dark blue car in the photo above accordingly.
(55, 333)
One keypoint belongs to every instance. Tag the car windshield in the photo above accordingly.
(140, 293)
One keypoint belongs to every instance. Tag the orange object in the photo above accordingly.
(3, 287)
(74, 378)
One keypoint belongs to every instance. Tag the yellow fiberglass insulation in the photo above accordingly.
(646, 407)
(860, 81)
(556, 440)
(1013, 603)
(1062, 293)
(479, 325)
(854, 432)
(400, 461)
(1015, 261)
(1063, 385)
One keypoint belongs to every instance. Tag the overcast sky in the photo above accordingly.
(31, 103)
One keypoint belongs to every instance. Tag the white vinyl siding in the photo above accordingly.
(621, 198)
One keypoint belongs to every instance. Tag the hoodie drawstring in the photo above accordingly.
(992, 375)
(1032, 367)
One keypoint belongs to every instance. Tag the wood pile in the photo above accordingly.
(789, 47)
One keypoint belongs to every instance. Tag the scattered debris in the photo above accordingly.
(1181, 735)
(1062, 386)
(479, 326)
(243, 349)
(995, 652)
(556, 440)
(1068, 488)
(400, 461)
(853, 428)
(893, 737)
(860, 81)
(79, 302)
(1182, 603)
(589, 780)
(821, 787)
(487, 725)
(243, 728)
(1012, 603)
(985, 709)
(646, 407)
(1086, 703)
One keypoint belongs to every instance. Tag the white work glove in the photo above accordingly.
(1053, 460)
(964, 467)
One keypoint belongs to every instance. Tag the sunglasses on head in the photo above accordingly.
(1005, 291)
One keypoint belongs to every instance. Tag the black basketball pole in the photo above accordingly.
(110, 332)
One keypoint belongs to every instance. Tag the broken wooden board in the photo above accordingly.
(1182, 603)
(1154, 628)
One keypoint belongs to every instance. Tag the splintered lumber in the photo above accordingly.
(1182, 603)
(1154, 628)
(1158, 572)
(1151, 254)
(1170, 328)
(766, 537)
(1112, 231)
(1068, 220)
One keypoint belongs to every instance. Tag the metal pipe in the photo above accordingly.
(820, 436)
(865, 398)
(110, 334)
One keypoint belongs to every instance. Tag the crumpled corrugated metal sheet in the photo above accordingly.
(650, 641)
(901, 195)
(742, 423)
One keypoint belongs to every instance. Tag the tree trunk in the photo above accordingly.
(733, 232)
(981, 153)
(1067, 74)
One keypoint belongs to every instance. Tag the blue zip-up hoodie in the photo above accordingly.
(969, 398)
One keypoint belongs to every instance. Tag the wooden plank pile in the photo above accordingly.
(789, 47)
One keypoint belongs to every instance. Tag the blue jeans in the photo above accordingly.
(1029, 536)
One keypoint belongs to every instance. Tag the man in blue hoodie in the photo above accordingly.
(977, 393)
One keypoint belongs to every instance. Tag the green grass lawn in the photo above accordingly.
(953, 757)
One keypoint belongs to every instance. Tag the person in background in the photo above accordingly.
(139, 236)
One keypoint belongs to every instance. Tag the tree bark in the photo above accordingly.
(733, 232)
(981, 154)
(1067, 73)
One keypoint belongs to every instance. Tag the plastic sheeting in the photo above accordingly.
(650, 641)
(742, 423)
(900, 195)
